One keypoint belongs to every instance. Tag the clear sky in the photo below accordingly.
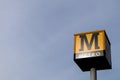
(36, 37)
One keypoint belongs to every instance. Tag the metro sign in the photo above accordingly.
(92, 49)
(89, 42)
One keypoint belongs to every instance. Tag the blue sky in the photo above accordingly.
(36, 37)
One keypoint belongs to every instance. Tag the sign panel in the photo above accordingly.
(88, 44)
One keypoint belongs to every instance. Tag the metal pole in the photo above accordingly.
(93, 74)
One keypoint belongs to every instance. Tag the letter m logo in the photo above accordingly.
(88, 42)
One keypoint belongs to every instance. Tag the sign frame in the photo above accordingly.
(91, 57)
